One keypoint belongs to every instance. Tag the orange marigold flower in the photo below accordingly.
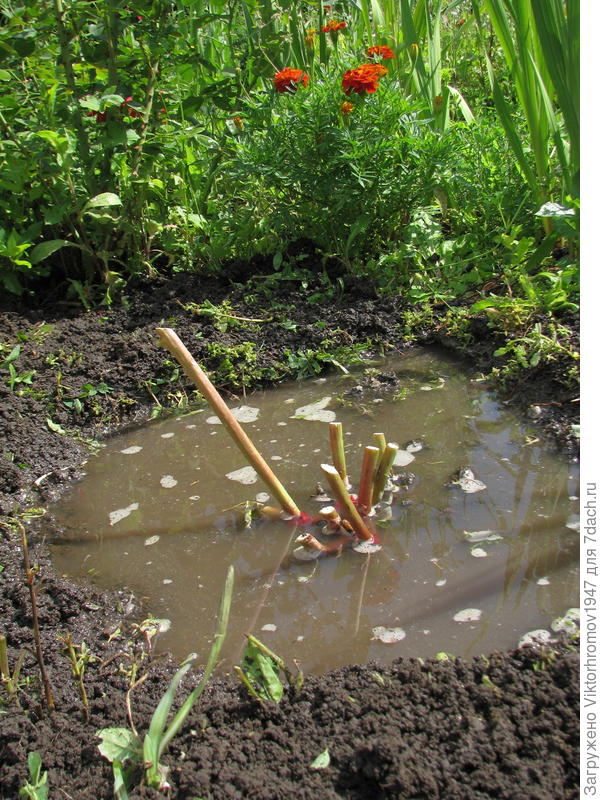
(347, 107)
(310, 37)
(333, 26)
(289, 79)
(381, 50)
(363, 79)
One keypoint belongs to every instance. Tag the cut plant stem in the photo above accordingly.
(380, 442)
(371, 457)
(383, 471)
(333, 519)
(169, 339)
(346, 505)
(336, 440)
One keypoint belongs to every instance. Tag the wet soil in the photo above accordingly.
(500, 726)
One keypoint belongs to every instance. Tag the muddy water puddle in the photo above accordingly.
(461, 569)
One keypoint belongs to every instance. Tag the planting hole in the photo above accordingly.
(472, 479)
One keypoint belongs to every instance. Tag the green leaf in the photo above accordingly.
(45, 249)
(5, 75)
(322, 760)
(55, 427)
(263, 672)
(119, 744)
(103, 200)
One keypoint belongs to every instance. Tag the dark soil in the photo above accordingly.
(505, 726)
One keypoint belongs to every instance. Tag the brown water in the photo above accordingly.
(167, 480)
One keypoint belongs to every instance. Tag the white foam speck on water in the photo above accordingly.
(403, 458)
(315, 412)
(121, 513)
(281, 424)
(130, 451)
(167, 435)
(245, 475)
(388, 635)
(167, 581)
(299, 638)
(168, 482)
(213, 421)
(276, 458)
(269, 627)
(317, 450)
(190, 427)
(468, 615)
(441, 582)
(543, 582)
(303, 579)
(426, 631)
(290, 400)
(194, 497)
(478, 552)
(262, 497)
(151, 540)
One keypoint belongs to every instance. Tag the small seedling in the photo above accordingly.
(36, 787)
(261, 670)
(10, 680)
(30, 575)
(79, 656)
(120, 745)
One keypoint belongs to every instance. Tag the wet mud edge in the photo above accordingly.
(501, 726)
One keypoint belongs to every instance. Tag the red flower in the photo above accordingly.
(381, 50)
(333, 26)
(363, 79)
(289, 79)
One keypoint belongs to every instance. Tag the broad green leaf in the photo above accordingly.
(5, 75)
(119, 744)
(103, 200)
(45, 249)
(322, 760)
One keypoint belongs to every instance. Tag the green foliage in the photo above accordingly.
(36, 787)
(120, 745)
(261, 670)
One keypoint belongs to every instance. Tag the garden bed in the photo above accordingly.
(505, 726)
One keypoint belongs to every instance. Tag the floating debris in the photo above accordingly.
(315, 412)
(366, 548)
(569, 622)
(121, 513)
(537, 637)
(465, 478)
(168, 482)
(262, 497)
(414, 446)
(269, 627)
(151, 540)
(130, 451)
(241, 413)
(478, 552)
(167, 435)
(481, 536)
(403, 458)
(468, 615)
(245, 475)
(573, 522)
(543, 582)
(388, 635)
